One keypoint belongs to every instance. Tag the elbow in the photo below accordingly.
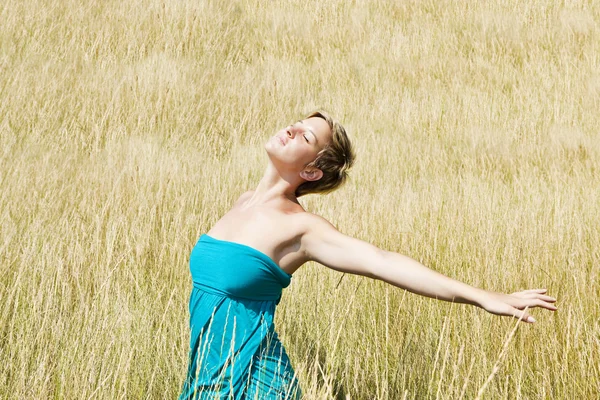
(378, 265)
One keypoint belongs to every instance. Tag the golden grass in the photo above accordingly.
(128, 128)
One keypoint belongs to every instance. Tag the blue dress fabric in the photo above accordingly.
(234, 351)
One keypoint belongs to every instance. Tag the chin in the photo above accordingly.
(272, 153)
(269, 147)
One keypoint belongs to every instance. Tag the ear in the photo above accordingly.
(311, 175)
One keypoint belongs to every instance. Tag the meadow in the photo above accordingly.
(127, 129)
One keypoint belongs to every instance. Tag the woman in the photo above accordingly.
(241, 265)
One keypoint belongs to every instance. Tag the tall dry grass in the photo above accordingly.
(128, 128)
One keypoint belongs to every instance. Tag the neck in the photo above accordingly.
(275, 186)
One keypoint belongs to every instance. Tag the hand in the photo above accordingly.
(512, 304)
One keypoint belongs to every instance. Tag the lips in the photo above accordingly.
(281, 140)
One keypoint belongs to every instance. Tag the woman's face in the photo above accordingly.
(299, 143)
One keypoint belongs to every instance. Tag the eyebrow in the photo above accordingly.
(310, 130)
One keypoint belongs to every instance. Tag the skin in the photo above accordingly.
(271, 220)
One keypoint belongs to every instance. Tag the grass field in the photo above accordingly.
(128, 128)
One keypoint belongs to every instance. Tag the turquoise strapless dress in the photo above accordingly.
(235, 352)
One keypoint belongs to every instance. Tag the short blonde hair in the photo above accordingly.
(335, 159)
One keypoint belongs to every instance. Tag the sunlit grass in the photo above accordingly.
(128, 128)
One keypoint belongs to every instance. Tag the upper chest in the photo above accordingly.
(273, 232)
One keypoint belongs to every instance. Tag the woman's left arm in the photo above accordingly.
(407, 273)
(323, 243)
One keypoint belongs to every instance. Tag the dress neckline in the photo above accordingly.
(251, 249)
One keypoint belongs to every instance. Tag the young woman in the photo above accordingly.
(241, 265)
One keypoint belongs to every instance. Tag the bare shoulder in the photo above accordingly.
(322, 242)
(314, 230)
(312, 224)
(244, 196)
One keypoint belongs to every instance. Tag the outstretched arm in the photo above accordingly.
(409, 274)
(323, 243)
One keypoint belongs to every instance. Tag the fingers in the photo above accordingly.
(518, 304)
(534, 294)
(543, 304)
(539, 296)
(530, 291)
(523, 303)
(535, 291)
(523, 316)
(547, 298)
